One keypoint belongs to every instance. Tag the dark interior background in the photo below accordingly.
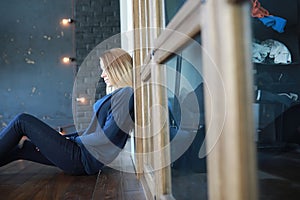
(278, 78)
(32, 77)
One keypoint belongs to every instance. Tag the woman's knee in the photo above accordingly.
(23, 116)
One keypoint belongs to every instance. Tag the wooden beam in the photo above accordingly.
(227, 70)
(161, 132)
(179, 31)
(137, 89)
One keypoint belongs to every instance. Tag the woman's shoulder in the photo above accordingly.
(127, 89)
(122, 97)
(124, 91)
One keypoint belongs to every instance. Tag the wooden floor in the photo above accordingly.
(24, 180)
(279, 178)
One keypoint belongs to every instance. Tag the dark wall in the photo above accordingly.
(97, 29)
(32, 78)
(96, 21)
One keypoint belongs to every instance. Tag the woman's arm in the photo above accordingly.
(118, 121)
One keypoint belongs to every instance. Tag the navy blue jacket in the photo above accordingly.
(108, 131)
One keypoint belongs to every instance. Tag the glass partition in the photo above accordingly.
(171, 8)
(187, 130)
(276, 65)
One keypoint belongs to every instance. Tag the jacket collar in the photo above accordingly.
(99, 102)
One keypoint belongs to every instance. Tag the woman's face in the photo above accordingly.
(104, 75)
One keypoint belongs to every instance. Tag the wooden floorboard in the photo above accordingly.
(24, 180)
(109, 185)
(118, 181)
(113, 184)
(278, 178)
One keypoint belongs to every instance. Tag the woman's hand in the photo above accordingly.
(21, 142)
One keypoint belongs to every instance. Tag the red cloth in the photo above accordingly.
(257, 10)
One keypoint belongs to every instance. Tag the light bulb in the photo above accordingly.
(67, 60)
(81, 99)
(66, 22)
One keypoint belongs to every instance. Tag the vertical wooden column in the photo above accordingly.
(160, 113)
(161, 130)
(226, 37)
(137, 89)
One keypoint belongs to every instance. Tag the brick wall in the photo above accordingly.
(97, 28)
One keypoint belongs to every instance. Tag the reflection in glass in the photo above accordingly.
(187, 130)
(277, 90)
(171, 8)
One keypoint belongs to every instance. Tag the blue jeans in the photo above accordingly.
(46, 145)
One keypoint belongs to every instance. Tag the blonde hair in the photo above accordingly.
(118, 67)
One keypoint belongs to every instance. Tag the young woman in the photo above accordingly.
(99, 144)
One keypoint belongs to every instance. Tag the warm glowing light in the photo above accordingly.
(66, 22)
(81, 100)
(67, 60)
